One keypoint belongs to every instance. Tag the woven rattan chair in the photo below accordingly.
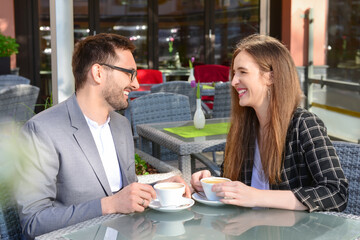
(349, 155)
(10, 80)
(222, 100)
(149, 76)
(18, 102)
(158, 107)
(179, 87)
(10, 228)
(211, 73)
(163, 107)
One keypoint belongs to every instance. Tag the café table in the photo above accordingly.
(215, 222)
(183, 142)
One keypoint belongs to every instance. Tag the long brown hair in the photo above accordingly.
(271, 56)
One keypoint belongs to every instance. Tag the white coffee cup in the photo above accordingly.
(169, 193)
(207, 184)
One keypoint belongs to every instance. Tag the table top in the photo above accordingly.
(183, 146)
(216, 222)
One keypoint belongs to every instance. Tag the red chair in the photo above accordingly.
(211, 73)
(149, 76)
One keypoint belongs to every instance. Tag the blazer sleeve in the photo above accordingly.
(329, 188)
(36, 189)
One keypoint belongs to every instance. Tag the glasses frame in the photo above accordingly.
(133, 72)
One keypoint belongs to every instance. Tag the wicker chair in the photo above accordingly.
(222, 100)
(349, 155)
(158, 107)
(163, 107)
(18, 102)
(149, 76)
(211, 73)
(9, 80)
(9, 220)
(179, 87)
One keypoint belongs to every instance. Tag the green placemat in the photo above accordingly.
(207, 87)
(208, 130)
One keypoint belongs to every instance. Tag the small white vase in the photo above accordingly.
(199, 117)
(191, 77)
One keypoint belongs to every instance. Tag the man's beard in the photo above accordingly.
(114, 97)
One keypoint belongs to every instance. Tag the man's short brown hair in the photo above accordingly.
(96, 49)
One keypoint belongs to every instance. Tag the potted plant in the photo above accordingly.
(164, 170)
(8, 47)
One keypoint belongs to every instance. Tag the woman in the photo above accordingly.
(278, 155)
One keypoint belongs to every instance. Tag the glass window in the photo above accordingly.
(81, 30)
(81, 19)
(234, 20)
(181, 33)
(129, 19)
(343, 55)
(338, 102)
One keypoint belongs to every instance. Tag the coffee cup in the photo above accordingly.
(207, 184)
(169, 193)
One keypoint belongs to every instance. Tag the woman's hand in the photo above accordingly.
(237, 193)
(196, 177)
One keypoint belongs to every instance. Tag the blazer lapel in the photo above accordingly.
(121, 149)
(86, 142)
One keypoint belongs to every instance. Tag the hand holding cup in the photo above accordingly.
(207, 184)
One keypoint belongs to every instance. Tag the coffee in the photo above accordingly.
(215, 180)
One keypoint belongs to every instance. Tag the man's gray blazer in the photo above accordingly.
(62, 179)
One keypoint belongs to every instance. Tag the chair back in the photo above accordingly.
(349, 155)
(18, 102)
(222, 100)
(179, 87)
(10, 227)
(211, 73)
(11, 79)
(149, 76)
(159, 107)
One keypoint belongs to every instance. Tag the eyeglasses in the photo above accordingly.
(133, 72)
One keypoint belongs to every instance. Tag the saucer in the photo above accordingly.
(204, 200)
(185, 203)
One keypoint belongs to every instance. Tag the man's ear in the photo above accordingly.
(97, 73)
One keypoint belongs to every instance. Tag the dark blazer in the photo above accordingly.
(311, 168)
(62, 179)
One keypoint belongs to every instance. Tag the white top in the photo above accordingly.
(106, 148)
(258, 177)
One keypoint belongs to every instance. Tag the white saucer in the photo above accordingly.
(185, 203)
(204, 200)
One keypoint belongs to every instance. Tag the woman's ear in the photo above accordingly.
(269, 78)
(97, 73)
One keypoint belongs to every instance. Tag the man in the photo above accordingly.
(81, 161)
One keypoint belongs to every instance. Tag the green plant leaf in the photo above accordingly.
(8, 46)
(198, 90)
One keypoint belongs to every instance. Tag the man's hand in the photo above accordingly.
(132, 198)
(196, 177)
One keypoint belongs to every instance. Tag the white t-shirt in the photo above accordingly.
(258, 179)
(106, 148)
